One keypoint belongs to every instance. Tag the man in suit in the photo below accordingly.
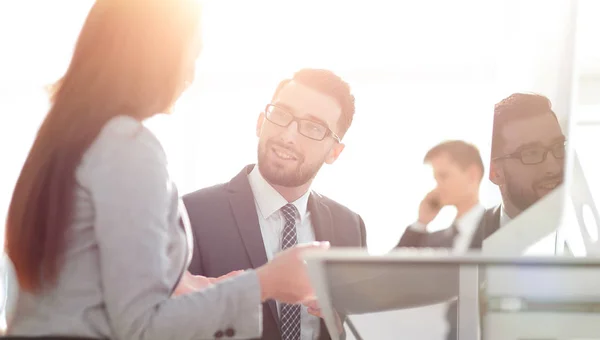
(270, 206)
(528, 151)
(458, 170)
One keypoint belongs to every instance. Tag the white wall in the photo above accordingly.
(419, 71)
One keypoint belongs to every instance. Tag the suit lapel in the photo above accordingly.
(489, 224)
(320, 218)
(242, 204)
(477, 240)
(493, 223)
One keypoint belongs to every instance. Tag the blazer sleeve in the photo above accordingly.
(128, 180)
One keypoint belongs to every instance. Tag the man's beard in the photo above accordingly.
(277, 175)
(522, 198)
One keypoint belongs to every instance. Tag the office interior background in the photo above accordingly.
(421, 71)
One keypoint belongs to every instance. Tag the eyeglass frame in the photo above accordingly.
(518, 153)
(299, 120)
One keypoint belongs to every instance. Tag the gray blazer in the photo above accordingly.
(126, 251)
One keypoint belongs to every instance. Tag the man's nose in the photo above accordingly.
(553, 165)
(290, 133)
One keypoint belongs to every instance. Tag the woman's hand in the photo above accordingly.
(193, 283)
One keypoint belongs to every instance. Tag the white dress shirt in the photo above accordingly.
(466, 224)
(504, 218)
(268, 202)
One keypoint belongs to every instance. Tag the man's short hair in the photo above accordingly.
(328, 83)
(515, 107)
(460, 152)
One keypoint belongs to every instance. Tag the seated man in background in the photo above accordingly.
(458, 170)
(528, 149)
(270, 206)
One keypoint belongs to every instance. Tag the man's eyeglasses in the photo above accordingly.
(307, 128)
(536, 154)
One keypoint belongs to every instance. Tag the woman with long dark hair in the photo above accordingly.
(93, 228)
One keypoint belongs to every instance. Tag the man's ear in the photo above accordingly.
(496, 174)
(334, 153)
(474, 173)
(259, 123)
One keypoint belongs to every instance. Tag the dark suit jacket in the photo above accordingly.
(227, 234)
(489, 223)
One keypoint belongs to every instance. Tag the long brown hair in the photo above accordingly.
(129, 59)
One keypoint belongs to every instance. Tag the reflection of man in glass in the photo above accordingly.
(528, 149)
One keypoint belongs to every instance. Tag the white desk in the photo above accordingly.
(520, 297)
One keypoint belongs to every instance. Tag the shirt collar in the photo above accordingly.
(470, 220)
(504, 218)
(269, 201)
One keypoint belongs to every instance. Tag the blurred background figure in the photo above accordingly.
(458, 171)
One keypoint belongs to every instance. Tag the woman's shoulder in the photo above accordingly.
(126, 129)
(122, 139)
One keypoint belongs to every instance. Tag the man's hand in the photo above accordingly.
(285, 277)
(193, 283)
(429, 208)
(314, 309)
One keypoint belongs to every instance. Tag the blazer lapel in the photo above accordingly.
(321, 219)
(477, 241)
(242, 204)
(493, 223)
(489, 224)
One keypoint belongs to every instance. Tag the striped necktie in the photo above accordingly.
(290, 314)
